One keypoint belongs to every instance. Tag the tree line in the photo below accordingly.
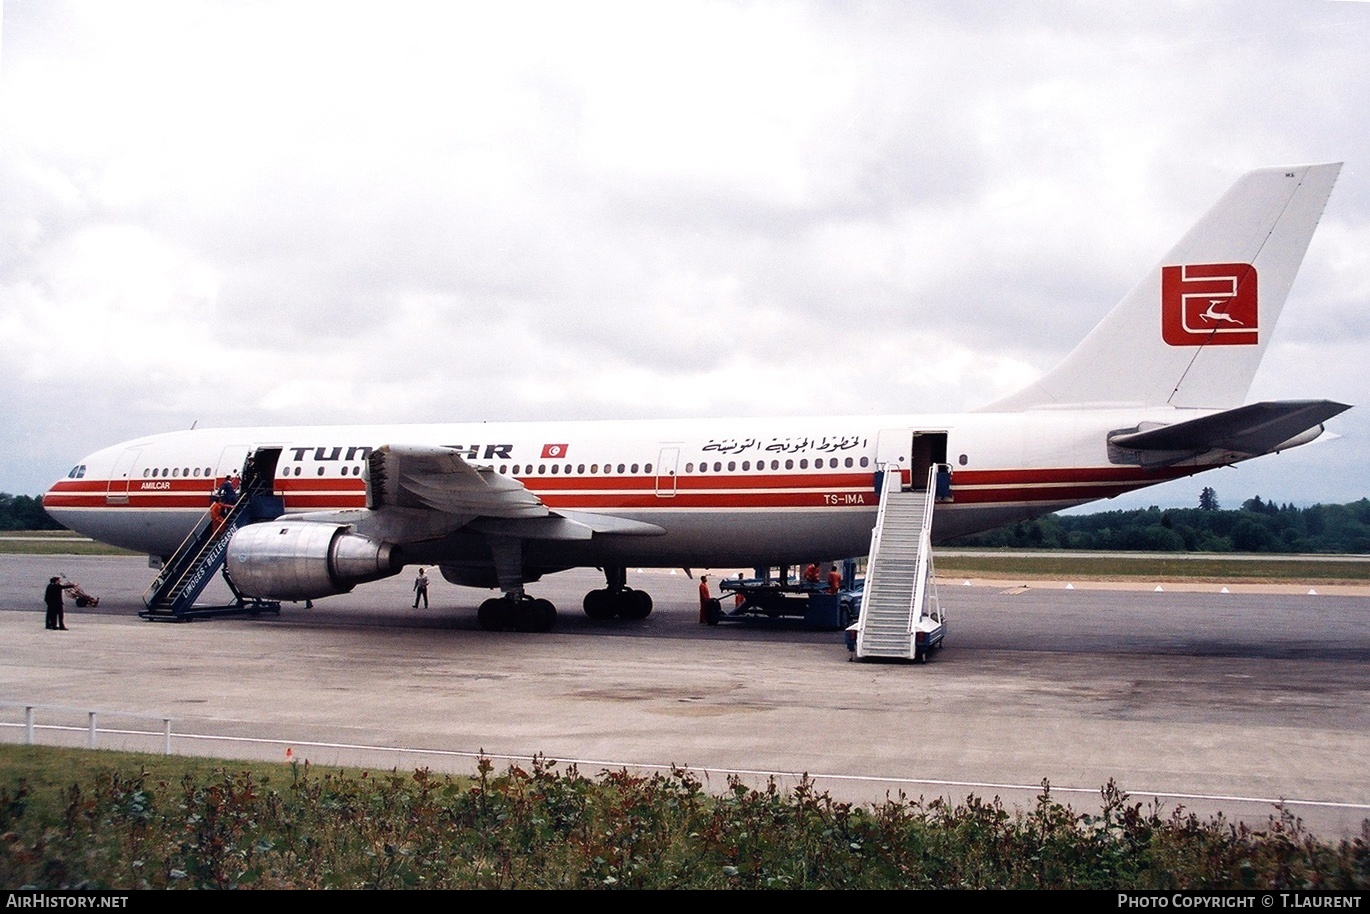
(1257, 526)
(24, 512)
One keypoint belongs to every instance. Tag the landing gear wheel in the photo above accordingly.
(598, 605)
(633, 604)
(536, 616)
(493, 615)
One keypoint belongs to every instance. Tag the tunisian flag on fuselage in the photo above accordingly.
(553, 451)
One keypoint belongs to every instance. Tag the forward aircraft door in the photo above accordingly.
(117, 492)
(231, 460)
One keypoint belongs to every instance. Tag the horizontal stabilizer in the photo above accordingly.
(1247, 431)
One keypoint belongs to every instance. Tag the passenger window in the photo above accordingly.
(789, 464)
(620, 468)
(746, 465)
(689, 468)
(804, 464)
(732, 465)
(634, 468)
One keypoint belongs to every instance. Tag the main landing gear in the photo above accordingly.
(617, 599)
(518, 612)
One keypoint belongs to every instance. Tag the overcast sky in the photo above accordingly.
(242, 213)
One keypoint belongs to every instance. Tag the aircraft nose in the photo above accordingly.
(66, 492)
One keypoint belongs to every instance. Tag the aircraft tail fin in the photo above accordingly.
(1192, 332)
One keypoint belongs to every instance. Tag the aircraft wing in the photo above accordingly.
(440, 479)
(1246, 431)
(426, 478)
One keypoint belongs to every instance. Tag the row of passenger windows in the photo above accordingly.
(554, 469)
(177, 471)
(831, 462)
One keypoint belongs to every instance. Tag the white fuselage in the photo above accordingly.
(727, 492)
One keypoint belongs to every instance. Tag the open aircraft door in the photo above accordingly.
(231, 460)
(914, 451)
(893, 446)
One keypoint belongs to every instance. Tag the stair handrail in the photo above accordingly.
(892, 482)
(251, 486)
(923, 572)
(170, 564)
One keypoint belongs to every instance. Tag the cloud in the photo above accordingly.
(238, 213)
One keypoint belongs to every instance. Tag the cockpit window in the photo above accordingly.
(77, 472)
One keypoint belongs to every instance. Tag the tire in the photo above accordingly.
(493, 615)
(537, 616)
(715, 612)
(598, 605)
(632, 604)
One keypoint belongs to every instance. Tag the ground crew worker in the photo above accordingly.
(421, 589)
(218, 513)
(811, 574)
(52, 596)
(834, 580)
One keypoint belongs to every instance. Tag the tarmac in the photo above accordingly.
(1250, 703)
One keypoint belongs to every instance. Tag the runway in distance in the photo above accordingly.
(1153, 393)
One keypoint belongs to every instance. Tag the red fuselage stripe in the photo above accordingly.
(687, 491)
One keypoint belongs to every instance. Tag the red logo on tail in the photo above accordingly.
(1213, 304)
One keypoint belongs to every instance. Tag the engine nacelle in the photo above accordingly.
(284, 560)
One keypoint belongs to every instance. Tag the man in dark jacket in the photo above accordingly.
(53, 598)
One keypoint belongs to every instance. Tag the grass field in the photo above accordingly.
(53, 542)
(1152, 567)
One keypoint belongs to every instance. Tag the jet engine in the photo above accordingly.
(286, 560)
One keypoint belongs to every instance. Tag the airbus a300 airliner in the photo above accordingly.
(1153, 393)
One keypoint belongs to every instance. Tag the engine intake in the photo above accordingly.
(301, 561)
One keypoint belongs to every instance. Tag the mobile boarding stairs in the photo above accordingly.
(184, 576)
(901, 616)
